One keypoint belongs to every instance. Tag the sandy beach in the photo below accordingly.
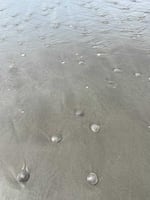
(65, 66)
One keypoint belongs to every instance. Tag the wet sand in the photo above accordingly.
(59, 57)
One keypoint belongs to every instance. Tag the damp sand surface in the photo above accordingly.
(74, 99)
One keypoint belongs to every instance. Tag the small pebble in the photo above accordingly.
(79, 113)
(92, 178)
(56, 138)
(23, 54)
(137, 74)
(81, 62)
(11, 66)
(98, 54)
(117, 70)
(62, 62)
(95, 128)
(24, 175)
